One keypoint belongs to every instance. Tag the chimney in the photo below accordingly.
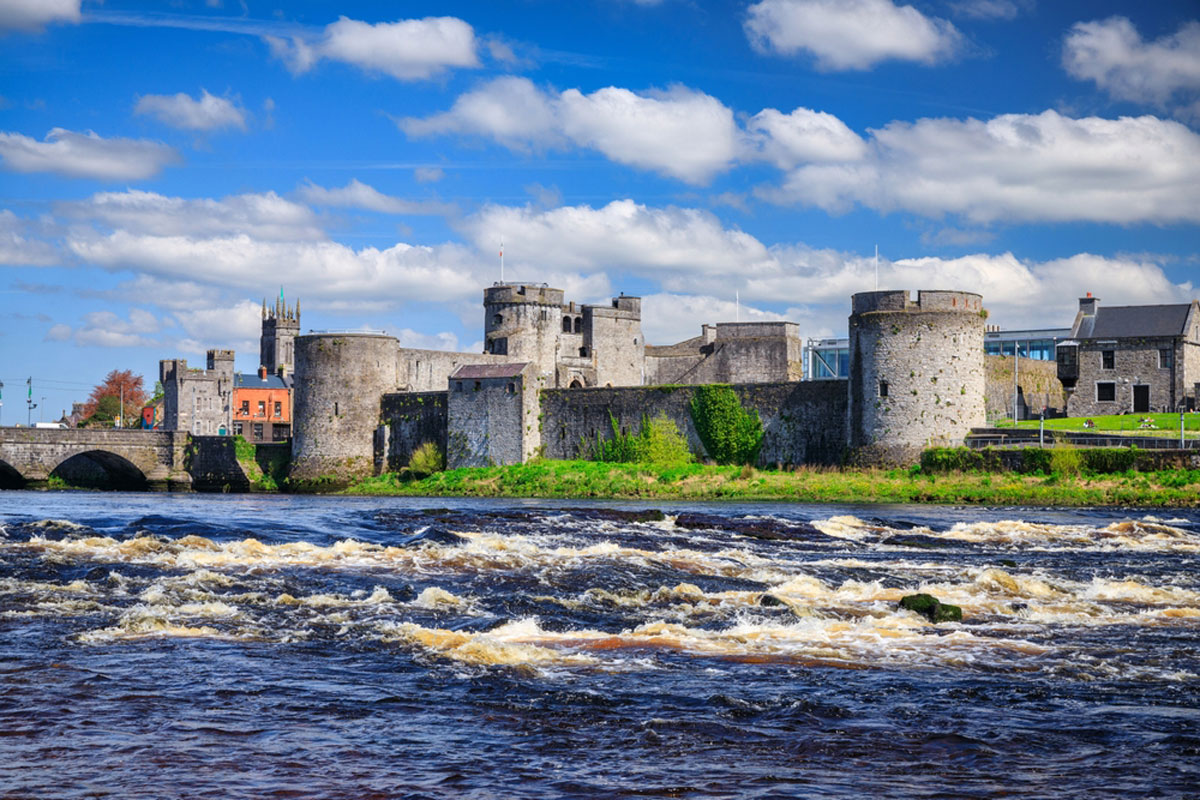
(262, 373)
(1087, 305)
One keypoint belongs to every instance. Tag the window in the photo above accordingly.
(237, 429)
(258, 431)
(1165, 358)
(1106, 392)
(278, 408)
(579, 324)
(883, 389)
(512, 388)
(566, 324)
(478, 386)
(262, 408)
(1068, 356)
(1108, 359)
(497, 320)
(246, 408)
(458, 386)
(280, 433)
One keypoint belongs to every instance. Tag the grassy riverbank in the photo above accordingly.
(587, 479)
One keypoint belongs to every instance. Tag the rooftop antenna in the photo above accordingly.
(877, 268)
(502, 259)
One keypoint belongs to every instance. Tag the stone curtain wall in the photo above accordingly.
(485, 425)
(410, 420)
(803, 423)
(1038, 381)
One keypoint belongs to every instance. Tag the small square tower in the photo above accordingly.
(280, 327)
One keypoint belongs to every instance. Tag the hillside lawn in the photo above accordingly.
(1165, 424)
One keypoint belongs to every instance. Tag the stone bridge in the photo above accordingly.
(99, 457)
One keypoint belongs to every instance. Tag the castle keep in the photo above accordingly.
(553, 372)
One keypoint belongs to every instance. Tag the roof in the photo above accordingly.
(1118, 322)
(477, 371)
(250, 380)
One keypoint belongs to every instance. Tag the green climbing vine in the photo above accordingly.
(731, 434)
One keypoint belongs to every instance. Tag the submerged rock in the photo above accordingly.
(931, 608)
(754, 527)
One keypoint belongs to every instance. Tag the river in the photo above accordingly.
(161, 646)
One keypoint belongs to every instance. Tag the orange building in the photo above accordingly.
(262, 406)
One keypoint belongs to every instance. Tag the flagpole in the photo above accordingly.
(501, 259)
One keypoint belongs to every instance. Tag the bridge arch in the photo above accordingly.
(10, 477)
(100, 469)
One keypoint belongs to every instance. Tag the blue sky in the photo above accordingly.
(166, 166)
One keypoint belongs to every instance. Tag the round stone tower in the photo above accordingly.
(916, 373)
(523, 322)
(340, 381)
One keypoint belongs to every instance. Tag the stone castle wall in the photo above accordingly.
(427, 370)
(410, 419)
(1135, 362)
(1038, 383)
(803, 423)
(916, 372)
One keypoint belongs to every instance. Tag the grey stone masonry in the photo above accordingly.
(916, 372)
(199, 401)
(280, 327)
(730, 352)
(1131, 359)
(491, 415)
(341, 379)
(803, 423)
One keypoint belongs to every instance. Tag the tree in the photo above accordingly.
(114, 383)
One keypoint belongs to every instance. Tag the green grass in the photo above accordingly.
(1166, 424)
(588, 479)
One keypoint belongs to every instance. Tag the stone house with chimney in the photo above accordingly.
(1131, 359)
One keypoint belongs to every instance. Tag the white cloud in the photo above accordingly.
(1113, 55)
(670, 318)
(18, 248)
(58, 333)
(412, 49)
(850, 34)
(262, 216)
(680, 132)
(802, 136)
(427, 341)
(85, 155)
(1017, 167)
(106, 329)
(683, 133)
(428, 174)
(314, 269)
(622, 235)
(33, 15)
(222, 325)
(181, 111)
(357, 194)
(511, 110)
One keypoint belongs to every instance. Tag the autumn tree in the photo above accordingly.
(104, 403)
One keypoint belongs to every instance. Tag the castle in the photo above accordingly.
(555, 374)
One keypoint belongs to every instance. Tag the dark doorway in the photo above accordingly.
(1141, 399)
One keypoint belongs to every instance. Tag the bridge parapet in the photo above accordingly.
(35, 453)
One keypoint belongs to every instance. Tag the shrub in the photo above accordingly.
(426, 460)
(1108, 460)
(1066, 460)
(730, 433)
(657, 442)
(950, 459)
(1036, 459)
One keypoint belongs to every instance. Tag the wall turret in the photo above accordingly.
(522, 321)
(916, 372)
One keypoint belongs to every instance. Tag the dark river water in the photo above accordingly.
(156, 646)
